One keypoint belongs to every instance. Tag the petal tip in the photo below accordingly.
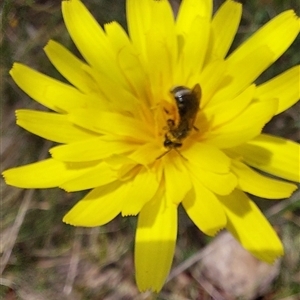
(13, 68)
(69, 221)
(3, 174)
(6, 177)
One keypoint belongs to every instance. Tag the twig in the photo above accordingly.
(14, 231)
(190, 261)
(73, 266)
(281, 206)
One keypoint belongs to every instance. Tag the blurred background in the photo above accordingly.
(43, 258)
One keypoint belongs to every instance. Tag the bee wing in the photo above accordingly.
(197, 91)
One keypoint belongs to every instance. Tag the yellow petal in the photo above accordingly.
(45, 174)
(142, 189)
(100, 175)
(117, 36)
(130, 63)
(274, 155)
(278, 34)
(51, 126)
(155, 243)
(224, 27)
(193, 52)
(204, 209)
(49, 92)
(285, 87)
(162, 29)
(99, 206)
(254, 183)
(210, 79)
(193, 28)
(92, 149)
(69, 66)
(90, 39)
(244, 127)
(161, 47)
(134, 72)
(177, 179)
(112, 123)
(222, 184)
(146, 154)
(111, 96)
(249, 226)
(208, 158)
(138, 19)
(240, 74)
(223, 112)
(190, 10)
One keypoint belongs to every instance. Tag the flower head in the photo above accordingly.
(164, 117)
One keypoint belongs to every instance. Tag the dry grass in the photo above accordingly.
(42, 258)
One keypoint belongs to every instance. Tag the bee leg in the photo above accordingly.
(180, 154)
(164, 154)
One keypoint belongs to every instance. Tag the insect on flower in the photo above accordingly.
(187, 102)
(110, 138)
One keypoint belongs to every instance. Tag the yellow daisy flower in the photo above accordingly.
(164, 117)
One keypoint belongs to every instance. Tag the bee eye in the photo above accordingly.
(180, 93)
(172, 144)
(167, 143)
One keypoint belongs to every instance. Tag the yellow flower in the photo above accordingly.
(141, 152)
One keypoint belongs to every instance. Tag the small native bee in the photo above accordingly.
(187, 102)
